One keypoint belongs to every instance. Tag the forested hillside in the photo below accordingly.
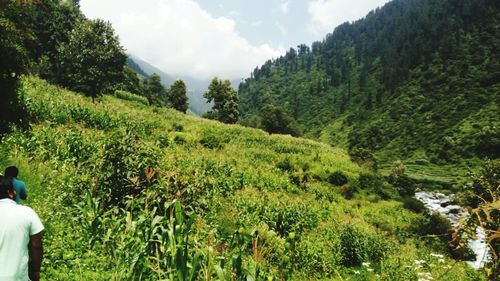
(415, 80)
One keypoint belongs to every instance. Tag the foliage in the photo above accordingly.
(364, 157)
(177, 97)
(131, 97)
(92, 61)
(404, 82)
(376, 184)
(358, 247)
(14, 60)
(337, 178)
(483, 197)
(225, 101)
(414, 205)
(277, 121)
(155, 91)
(139, 210)
(400, 180)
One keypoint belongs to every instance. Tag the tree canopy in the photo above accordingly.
(177, 97)
(225, 101)
(92, 61)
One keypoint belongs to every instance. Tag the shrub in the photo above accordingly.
(178, 139)
(176, 127)
(285, 165)
(211, 140)
(163, 141)
(398, 178)
(376, 184)
(130, 97)
(127, 167)
(348, 191)
(337, 178)
(357, 246)
(435, 224)
(414, 205)
(364, 157)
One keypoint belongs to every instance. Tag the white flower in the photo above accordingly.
(437, 255)
(370, 269)
(366, 264)
(441, 260)
(356, 271)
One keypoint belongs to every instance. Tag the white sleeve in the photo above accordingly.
(36, 225)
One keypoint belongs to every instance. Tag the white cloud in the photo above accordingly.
(284, 7)
(328, 14)
(181, 38)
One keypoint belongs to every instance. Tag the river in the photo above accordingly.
(441, 203)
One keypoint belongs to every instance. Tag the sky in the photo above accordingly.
(224, 38)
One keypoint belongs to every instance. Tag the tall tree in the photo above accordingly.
(92, 61)
(131, 82)
(155, 91)
(13, 61)
(276, 121)
(225, 101)
(177, 97)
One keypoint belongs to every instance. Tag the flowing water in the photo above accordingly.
(441, 203)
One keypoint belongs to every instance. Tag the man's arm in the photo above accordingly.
(36, 255)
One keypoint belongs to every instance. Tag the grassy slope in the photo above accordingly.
(241, 190)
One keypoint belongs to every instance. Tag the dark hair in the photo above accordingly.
(5, 187)
(11, 171)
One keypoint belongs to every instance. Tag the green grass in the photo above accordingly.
(131, 192)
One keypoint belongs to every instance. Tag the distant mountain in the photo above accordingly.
(196, 87)
(416, 80)
(136, 67)
(149, 69)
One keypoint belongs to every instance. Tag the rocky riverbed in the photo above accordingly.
(443, 204)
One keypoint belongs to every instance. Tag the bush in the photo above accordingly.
(358, 247)
(163, 141)
(285, 165)
(178, 139)
(176, 127)
(376, 184)
(435, 224)
(414, 205)
(398, 178)
(211, 140)
(131, 97)
(127, 167)
(348, 191)
(364, 157)
(337, 178)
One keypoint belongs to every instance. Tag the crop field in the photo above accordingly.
(128, 191)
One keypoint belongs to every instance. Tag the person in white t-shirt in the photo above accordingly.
(21, 248)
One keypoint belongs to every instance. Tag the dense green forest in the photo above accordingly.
(415, 80)
(130, 187)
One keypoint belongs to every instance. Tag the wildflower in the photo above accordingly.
(441, 260)
(366, 264)
(419, 262)
(356, 271)
(437, 255)
(370, 269)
